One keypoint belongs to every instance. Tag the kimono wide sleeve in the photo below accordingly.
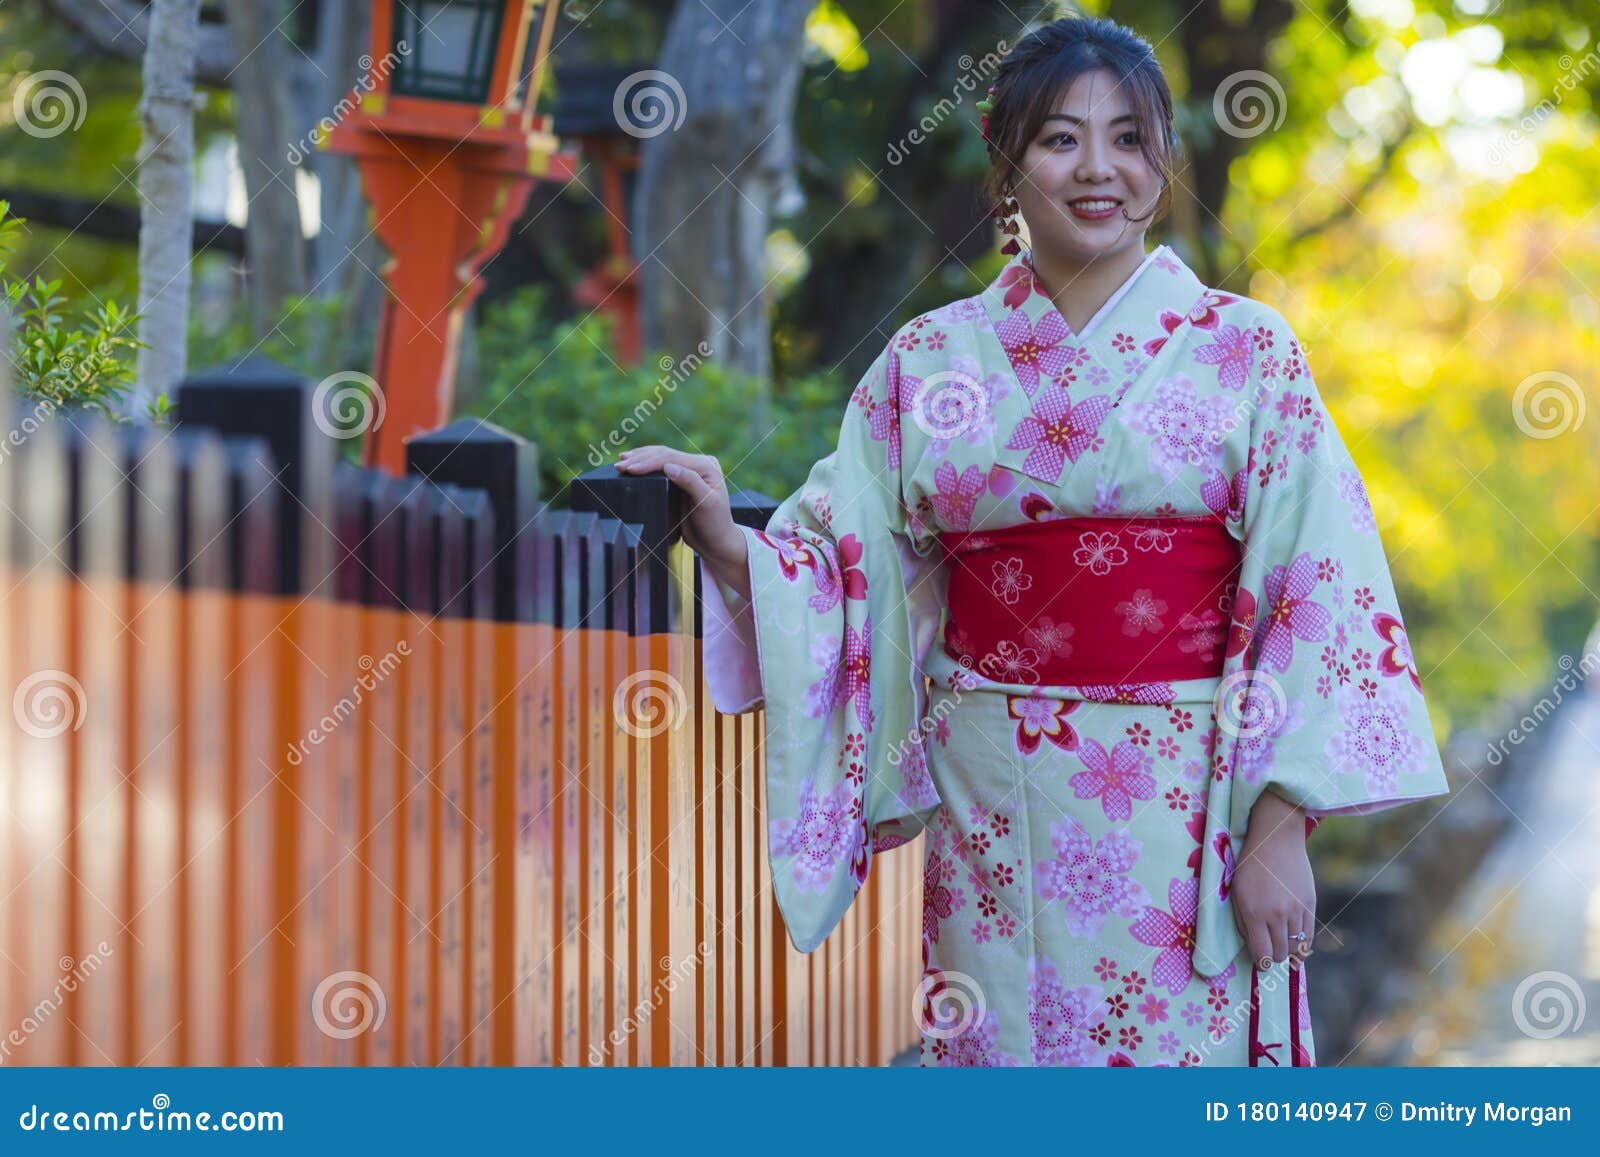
(1321, 699)
(833, 580)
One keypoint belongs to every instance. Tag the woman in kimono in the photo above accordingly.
(1091, 594)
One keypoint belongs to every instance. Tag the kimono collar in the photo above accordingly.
(1135, 321)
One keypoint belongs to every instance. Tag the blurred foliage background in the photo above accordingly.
(1422, 208)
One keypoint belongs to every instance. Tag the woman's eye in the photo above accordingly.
(1130, 138)
(1057, 139)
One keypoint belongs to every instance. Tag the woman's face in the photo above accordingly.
(1082, 172)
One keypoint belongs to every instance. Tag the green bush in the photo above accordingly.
(64, 367)
(313, 335)
(560, 387)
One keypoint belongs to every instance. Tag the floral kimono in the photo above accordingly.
(1069, 603)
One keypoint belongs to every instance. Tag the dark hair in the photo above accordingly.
(1033, 76)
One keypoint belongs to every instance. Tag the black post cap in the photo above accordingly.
(478, 455)
(258, 398)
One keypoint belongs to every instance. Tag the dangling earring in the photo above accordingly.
(1005, 215)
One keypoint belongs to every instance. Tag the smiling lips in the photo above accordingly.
(1094, 208)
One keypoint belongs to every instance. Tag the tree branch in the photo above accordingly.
(120, 27)
(1350, 204)
(112, 222)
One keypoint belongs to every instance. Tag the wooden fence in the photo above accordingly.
(308, 764)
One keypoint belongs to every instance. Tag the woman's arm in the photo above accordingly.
(1273, 891)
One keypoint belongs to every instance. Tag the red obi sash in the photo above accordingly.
(1092, 600)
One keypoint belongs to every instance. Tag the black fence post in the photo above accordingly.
(478, 455)
(258, 398)
(651, 503)
(658, 508)
(752, 508)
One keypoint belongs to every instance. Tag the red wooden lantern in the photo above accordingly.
(444, 132)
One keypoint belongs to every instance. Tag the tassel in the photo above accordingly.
(1011, 247)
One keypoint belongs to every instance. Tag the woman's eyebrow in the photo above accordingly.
(1061, 116)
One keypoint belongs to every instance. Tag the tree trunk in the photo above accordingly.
(265, 120)
(346, 252)
(707, 188)
(166, 161)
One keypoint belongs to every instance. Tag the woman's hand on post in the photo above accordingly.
(1273, 892)
(710, 529)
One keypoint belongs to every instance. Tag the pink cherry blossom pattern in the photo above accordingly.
(1063, 1018)
(1035, 506)
(1145, 694)
(1117, 778)
(1173, 932)
(1222, 845)
(883, 416)
(1051, 637)
(1010, 662)
(838, 574)
(1169, 324)
(1010, 580)
(1185, 427)
(1039, 719)
(1142, 613)
(1058, 431)
(974, 1047)
(1100, 551)
(941, 900)
(1034, 349)
(820, 836)
(1226, 496)
(847, 679)
(1204, 313)
(957, 495)
(1396, 658)
(1017, 279)
(1354, 491)
(1290, 613)
(1202, 633)
(1233, 353)
(793, 553)
(1242, 624)
(1091, 877)
(1376, 739)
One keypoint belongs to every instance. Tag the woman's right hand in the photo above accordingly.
(710, 529)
